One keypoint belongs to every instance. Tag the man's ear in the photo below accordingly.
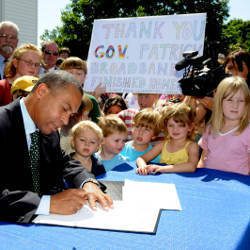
(42, 90)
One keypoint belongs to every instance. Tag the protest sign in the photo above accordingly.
(139, 54)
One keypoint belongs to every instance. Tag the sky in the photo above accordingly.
(49, 13)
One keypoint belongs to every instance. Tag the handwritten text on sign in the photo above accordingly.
(139, 54)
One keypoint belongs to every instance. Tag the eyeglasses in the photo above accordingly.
(48, 52)
(5, 36)
(30, 63)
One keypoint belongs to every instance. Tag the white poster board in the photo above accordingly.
(139, 54)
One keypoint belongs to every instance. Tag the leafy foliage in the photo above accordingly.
(237, 34)
(78, 18)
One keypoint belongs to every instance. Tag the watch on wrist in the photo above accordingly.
(90, 180)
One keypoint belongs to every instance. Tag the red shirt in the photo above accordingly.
(5, 96)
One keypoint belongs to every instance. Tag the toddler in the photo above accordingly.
(114, 137)
(144, 128)
(144, 101)
(86, 140)
(226, 142)
(178, 151)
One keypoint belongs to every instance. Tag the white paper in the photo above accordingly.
(123, 217)
(137, 212)
(151, 194)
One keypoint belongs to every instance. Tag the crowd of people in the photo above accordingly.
(82, 135)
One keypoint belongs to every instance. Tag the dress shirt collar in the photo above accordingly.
(29, 125)
(2, 65)
(2, 58)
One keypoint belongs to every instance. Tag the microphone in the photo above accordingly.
(194, 61)
(188, 56)
(181, 64)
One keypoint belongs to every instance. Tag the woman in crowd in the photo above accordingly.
(25, 60)
(237, 63)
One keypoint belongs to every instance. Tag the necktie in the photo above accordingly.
(34, 160)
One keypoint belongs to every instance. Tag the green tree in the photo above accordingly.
(78, 18)
(237, 34)
(50, 35)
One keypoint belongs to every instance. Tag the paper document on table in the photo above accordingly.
(123, 217)
(151, 194)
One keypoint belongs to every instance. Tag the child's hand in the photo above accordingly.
(142, 170)
(153, 169)
(200, 164)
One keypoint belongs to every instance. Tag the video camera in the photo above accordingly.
(201, 77)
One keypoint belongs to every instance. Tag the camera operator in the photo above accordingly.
(237, 63)
(200, 80)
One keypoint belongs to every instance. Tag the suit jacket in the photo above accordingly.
(18, 202)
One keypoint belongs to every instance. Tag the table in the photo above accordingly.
(215, 215)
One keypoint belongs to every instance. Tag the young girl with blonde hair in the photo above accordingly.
(179, 152)
(226, 142)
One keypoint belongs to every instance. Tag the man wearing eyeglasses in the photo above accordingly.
(50, 54)
(8, 42)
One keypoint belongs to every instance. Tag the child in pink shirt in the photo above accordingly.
(226, 142)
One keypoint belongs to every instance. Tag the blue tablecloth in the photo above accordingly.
(215, 215)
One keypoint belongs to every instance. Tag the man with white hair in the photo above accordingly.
(8, 42)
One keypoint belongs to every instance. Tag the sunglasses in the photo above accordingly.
(48, 52)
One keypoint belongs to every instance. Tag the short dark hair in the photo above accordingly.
(239, 56)
(113, 101)
(44, 45)
(57, 79)
(64, 49)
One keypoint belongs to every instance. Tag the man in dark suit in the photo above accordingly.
(55, 97)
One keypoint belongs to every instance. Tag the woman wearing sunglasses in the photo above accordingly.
(25, 60)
